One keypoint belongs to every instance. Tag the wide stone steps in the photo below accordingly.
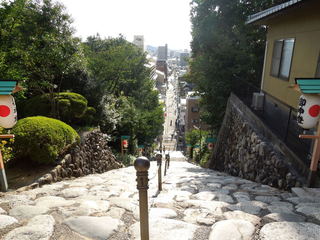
(195, 204)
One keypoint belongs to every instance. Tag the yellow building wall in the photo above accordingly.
(302, 24)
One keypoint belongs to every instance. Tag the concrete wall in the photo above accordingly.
(302, 24)
(248, 149)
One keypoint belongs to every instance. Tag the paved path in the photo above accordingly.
(169, 141)
(195, 204)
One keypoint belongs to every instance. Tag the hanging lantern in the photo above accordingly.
(308, 111)
(210, 146)
(8, 111)
(125, 143)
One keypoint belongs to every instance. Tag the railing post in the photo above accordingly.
(159, 163)
(165, 168)
(166, 164)
(142, 165)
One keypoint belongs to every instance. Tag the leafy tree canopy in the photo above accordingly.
(119, 82)
(37, 45)
(224, 50)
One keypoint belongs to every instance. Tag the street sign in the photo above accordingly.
(196, 146)
(140, 146)
(125, 137)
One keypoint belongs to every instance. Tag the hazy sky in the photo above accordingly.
(160, 21)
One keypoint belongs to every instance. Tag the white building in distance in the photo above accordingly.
(138, 40)
(162, 53)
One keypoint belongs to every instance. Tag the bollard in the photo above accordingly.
(166, 164)
(142, 166)
(159, 163)
(165, 168)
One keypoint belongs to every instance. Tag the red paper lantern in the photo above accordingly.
(125, 143)
(8, 111)
(308, 111)
(210, 146)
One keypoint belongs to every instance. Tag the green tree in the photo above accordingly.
(224, 50)
(116, 67)
(37, 46)
(193, 138)
(120, 84)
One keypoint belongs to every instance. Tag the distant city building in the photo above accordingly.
(192, 116)
(184, 59)
(163, 53)
(162, 66)
(182, 115)
(162, 57)
(138, 40)
(160, 78)
(151, 50)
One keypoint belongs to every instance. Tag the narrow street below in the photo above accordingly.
(169, 141)
(195, 204)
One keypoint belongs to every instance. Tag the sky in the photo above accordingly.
(160, 21)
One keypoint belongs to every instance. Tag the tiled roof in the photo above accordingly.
(260, 15)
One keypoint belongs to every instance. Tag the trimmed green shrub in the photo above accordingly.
(126, 159)
(71, 107)
(39, 105)
(41, 139)
(88, 118)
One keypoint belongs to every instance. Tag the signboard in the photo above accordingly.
(125, 137)
(196, 146)
(140, 146)
(211, 140)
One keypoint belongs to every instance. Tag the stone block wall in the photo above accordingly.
(90, 156)
(241, 150)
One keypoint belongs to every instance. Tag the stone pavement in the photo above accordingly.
(169, 141)
(195, 204)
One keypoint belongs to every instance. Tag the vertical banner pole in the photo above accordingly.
(3, 177)
(315, 159)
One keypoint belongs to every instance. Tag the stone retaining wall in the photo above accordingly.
(90, 156)
(242, 150)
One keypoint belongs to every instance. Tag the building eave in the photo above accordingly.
(273, 11)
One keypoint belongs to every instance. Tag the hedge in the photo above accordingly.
(41, 139)
(72, 107)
